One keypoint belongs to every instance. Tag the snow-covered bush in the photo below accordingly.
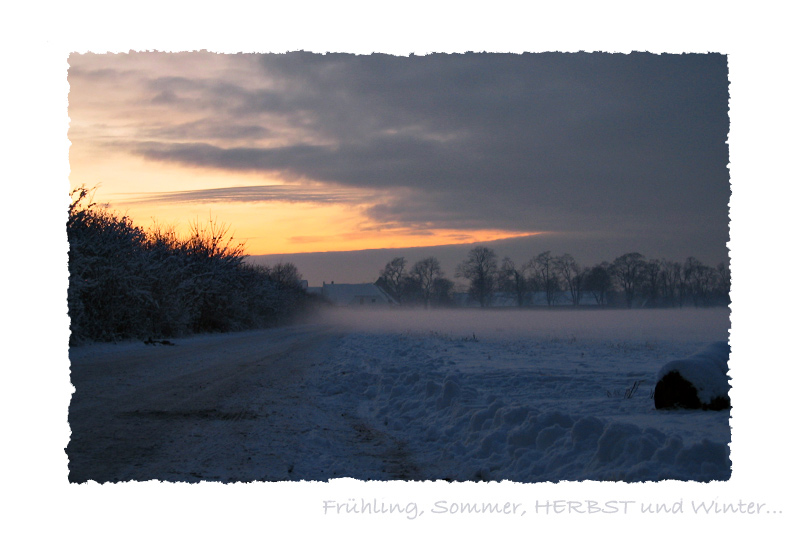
(699, 381)
(107, 272)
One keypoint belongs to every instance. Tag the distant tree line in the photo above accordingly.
(631, 280)
(125, 282)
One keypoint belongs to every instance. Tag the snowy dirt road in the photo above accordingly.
(238, 407)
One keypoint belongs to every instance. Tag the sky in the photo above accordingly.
(592, 154)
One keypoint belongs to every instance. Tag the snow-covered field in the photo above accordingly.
(530, 395)
(467, 395)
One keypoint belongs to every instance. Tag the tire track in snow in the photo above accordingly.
(243, 407)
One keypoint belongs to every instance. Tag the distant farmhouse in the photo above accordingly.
(353, 295)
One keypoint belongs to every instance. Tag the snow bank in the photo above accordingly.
(699, 381)
(528, 409)
(472, 438)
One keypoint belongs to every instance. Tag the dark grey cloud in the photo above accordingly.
(207, 129)
(212, 95)
(631, 144)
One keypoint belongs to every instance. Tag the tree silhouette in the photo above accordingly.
(480, 268)
(545, 274)
(628, 270)
(512, 280)
(573, 275)
(599, 282)
(426, 272)
(392, 277)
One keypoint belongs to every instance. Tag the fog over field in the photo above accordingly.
(686, 325)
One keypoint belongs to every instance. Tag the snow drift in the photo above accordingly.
(543, 402)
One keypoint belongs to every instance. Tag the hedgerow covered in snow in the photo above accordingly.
(126, 282)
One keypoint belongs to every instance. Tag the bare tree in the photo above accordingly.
(690, 268)
(573, 276)
(628, 270)
(480, 268)
(512, 280)
(670, 281)
(707, 281)
(426, 272)
(545, 274)
(392, 277)
(651, 282)
(599, 282)
(701, 280)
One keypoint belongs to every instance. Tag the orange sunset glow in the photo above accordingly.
(110, 107)
(285, 228)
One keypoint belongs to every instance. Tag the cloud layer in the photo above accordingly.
(609, 143)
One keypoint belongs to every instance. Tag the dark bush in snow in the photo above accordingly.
(699, 381)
